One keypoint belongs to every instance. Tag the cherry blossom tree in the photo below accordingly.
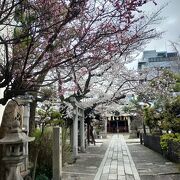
(68, 37)
(50, 33)
(104, 45)
(35, 25)
(109, 74)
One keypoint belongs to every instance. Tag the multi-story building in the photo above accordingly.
(160, 60)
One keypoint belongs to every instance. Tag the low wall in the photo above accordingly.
(173, 152)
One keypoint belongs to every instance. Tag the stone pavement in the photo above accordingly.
(151, 165)
(88, 163)
(118, 157)
(117, 162)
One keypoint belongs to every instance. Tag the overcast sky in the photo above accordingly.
(170, 24)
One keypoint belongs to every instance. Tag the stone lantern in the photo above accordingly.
(14, 157)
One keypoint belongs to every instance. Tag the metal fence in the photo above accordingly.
(173, 152)
(152, 142)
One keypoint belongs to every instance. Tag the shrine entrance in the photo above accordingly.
(116, 124)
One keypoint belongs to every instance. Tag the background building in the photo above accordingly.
(160, 60)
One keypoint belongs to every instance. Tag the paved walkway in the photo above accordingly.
(88, 163)
(152, 165)
(113, 159)
(117, 162)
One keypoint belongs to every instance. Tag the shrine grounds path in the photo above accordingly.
(120, 158)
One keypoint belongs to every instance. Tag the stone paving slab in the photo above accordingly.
(151, 165)
(117, 162)
(88, 163)
(114, 157)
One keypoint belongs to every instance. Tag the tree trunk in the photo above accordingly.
(144, 128)
(88, 136)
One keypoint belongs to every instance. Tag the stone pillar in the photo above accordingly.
(26, 115)
(75, 134)
(82, 138)
(129, 123)
(71, 135)
(133, 131)
(57, 153)
(105, 127)
(25, 101)
(14, 173)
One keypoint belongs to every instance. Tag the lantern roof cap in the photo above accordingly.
(15, 135)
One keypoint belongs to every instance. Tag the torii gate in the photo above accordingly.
(78, 112)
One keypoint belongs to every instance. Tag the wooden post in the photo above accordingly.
(57, 153)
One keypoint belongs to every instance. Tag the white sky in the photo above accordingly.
(171, 25)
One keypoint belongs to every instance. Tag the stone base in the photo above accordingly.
(102, 135)
(133, 134)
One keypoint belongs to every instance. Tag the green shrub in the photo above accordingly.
(41, 177)
(169, 137)
(171, 119)
(152, 118)
(66, 147)
(177, 84)
(41, 149)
